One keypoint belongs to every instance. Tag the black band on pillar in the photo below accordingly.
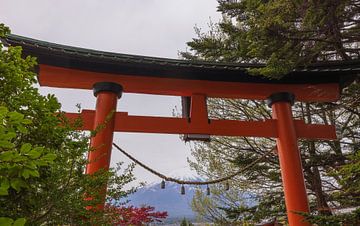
(108, 86)
(280, 97)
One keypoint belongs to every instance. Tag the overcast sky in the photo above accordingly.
(143, 27)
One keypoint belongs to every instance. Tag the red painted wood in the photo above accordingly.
(290, 164)
(171, 125)
(282, 126)
(71, 78)
(198, 110)
(101, 143)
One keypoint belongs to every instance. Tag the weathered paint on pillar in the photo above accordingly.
(107, 94)
(289, 157)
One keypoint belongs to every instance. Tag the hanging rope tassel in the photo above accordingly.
(182, 191)
(162, 185)
(227, 186)
(207, 190)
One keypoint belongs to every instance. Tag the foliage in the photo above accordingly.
(4, 30)
(42, 156)
(349, 175)
(184, 222)
(326, 164)
(122, 216)
(282, 33)
(223, 155)
(18, 164)
(6, 221)
(218, 207)
(351, 219)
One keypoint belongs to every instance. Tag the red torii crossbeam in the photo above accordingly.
(110, 74)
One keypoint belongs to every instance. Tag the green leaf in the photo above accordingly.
(15, 116)
(8, 136)
(6, 144)
(20, 222)
(25, 173)
(25, 148)
(19, 158)
(17, 183)
(39, 149)
(34, 154)
(42, 163)
(26, 121)
(5, 221)
(49, 157)
(4, 186)
(5, 183)
(31, 165)
(34, 173)
(22, 129)
(3, 191)
(7, 156)
(3, 110)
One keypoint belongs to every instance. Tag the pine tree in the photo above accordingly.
(185, 222)
(283, 35)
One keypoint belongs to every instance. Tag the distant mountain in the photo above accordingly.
(168, 199)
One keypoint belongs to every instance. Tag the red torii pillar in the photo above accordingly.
(296, 199)
(107, 94)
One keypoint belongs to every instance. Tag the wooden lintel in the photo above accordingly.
(171, 125)
(71, 78)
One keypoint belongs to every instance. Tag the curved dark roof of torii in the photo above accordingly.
(125, 64)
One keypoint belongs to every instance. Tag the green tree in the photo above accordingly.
(282, 35)
(349, 175)
(17, 165)
(42, 157)
(185, 222)
(223, 155)
(321, 160)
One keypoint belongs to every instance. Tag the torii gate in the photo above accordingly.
(110, 74)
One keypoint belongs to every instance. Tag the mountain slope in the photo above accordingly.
(168, 199)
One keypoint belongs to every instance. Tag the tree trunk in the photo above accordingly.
(315, 177)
